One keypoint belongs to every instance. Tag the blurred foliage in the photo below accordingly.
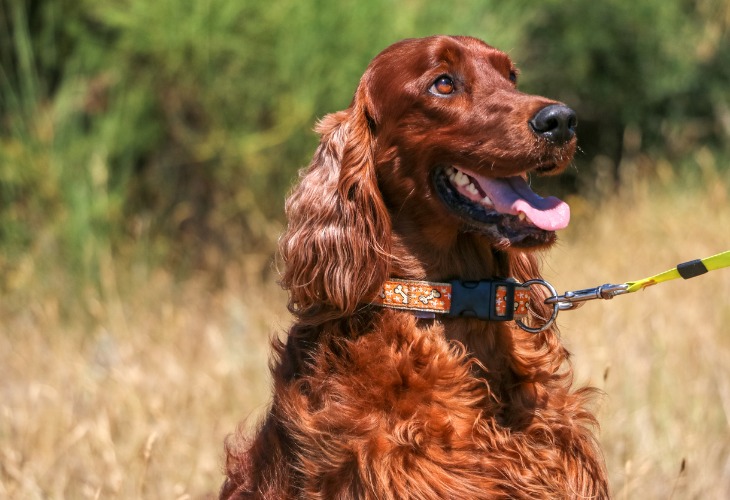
(644, 77)
(170, 131)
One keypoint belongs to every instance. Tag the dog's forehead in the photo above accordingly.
(444, 52)
(401, 74)
(461, 50)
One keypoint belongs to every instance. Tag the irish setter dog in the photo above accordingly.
(423, 177)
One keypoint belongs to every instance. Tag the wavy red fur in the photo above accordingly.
(378, 404)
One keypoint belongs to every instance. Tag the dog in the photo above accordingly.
(421, 184)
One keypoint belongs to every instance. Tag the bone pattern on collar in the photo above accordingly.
(438, 298)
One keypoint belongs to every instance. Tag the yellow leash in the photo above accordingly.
(574, 299)
(685, 270)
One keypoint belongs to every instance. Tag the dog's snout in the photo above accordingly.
(555, 122)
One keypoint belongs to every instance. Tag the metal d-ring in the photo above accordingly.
(556, 307)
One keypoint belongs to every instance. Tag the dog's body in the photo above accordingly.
(378, 403)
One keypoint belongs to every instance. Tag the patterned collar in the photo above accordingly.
(488, 300)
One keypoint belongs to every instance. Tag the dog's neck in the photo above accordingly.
(466, 256)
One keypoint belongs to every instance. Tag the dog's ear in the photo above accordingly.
(336, 248)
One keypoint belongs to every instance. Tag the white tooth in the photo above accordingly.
(471, 189)
(461, 179)
(521, 216)
(487, 201)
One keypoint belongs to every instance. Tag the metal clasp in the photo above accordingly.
(573, 300)
(556, 308)
(570, 300)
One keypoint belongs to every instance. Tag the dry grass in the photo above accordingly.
(662, 356)
(138, 406)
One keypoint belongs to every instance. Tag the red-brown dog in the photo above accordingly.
(422, 178)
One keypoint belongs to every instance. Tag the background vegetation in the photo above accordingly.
(145, 152)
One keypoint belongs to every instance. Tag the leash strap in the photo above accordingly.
(684, 270)
(489, 300)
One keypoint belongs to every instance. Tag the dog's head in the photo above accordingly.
(438, 141)
(452, 129)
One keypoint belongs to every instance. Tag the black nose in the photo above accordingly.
(556, 123)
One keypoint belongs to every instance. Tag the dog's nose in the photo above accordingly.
(556, 123)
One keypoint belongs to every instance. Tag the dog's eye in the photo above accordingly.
(513, 76)
(443, 85)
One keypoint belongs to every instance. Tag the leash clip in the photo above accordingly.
(574, 299)
(570, 300)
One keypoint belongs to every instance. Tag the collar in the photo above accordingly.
(488, 300)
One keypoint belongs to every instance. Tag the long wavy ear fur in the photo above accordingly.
(337, 243)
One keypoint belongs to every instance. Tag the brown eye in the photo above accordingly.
(443, 85)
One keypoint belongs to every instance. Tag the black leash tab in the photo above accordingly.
(691, 269)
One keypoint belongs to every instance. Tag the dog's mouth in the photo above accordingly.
(506, 209)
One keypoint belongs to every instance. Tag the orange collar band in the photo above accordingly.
(489, 300)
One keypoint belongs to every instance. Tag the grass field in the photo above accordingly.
(137, 402)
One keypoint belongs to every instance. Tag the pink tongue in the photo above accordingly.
(512, 195)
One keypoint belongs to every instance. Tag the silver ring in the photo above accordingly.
(556, 307)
